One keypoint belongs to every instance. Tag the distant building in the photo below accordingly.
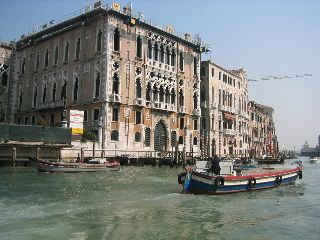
(139, 82)
(5, 53)
(306, 150)
(263, 139)
(224, 98)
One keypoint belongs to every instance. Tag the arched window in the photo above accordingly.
(137, 137)
(4, 80)
(99, 40)
(149, 49)
(181, 98)
(20, 100)
(116, 40)
(173, 97)
(52, 120)
(54, 90)
(148, 92)
(75, 90)
(195, 101)
(167, 100)
(204, 123)
(180, 140)
(66, 52)
(37, 61)
(139, 47)
(78, 48)
(64, 90)
(138, 88)
(195, 141)
(173, 58)
(44, 94)
(97, 86)
(181, 61)
(46, 58)
(115, 85)
(155, 93)
(56, 55)
(115, 135)
(195, 66)
(162, 54)
(147, 137)
(173, 138)
(35, 94)
(168, 56)
(156, 51)
(23, 65)
(161, 94)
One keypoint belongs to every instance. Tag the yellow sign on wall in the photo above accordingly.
(76, 131)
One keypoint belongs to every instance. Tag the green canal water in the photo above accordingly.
(146, 203)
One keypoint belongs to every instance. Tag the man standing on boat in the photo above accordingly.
(215, 166)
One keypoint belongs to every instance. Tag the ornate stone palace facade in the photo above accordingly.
(140, 83)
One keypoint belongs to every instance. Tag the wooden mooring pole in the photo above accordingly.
(14, 156)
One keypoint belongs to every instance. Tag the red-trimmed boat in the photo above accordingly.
(199, 181)
(94, 165)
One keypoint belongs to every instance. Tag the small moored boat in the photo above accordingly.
(270, 160)
(204, 182)
(93, 166)
(314, 160)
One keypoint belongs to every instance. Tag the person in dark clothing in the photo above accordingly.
(215, 166)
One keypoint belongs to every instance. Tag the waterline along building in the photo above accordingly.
(138, 84)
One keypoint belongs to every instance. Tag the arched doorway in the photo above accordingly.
(160, 137)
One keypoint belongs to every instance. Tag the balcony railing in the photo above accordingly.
(256, 139)
(182, 109)
(196, 112)
(213, 105)
(230, 132)
(52, 104)
(139, 102)
(116, 98)
(204, 104)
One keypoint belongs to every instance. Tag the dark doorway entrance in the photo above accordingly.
(160, 137)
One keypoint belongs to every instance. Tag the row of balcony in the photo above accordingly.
(160, 65)
(52, 104)
(116, 98)
(256, 139)
(220, 107)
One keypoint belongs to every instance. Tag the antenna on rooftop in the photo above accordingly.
(127, 9)
(141, 15)
(87, 7)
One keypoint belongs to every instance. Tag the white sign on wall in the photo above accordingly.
(76, 121)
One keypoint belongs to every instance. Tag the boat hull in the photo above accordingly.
(53, 167)
(200, 183)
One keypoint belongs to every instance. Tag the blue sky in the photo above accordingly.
(266, 37)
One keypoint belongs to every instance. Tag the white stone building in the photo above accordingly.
(224, 99)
